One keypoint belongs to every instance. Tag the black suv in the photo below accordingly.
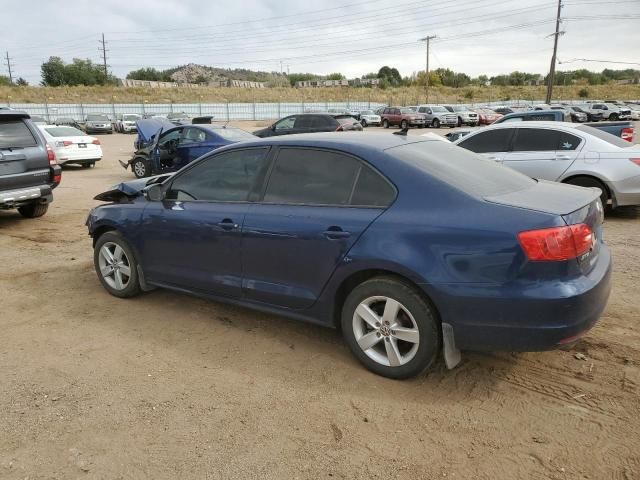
(310, 123)
(28, 169)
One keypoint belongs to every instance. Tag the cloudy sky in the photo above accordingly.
(350, 36)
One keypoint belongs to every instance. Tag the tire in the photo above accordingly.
(33, 210)
(117, 269)
(363, 122)
(613, 117)
(140, 167)
(415, 315)
(385, 123)
(459, 121)
(435, 123)
(404, 124)
(591, 182)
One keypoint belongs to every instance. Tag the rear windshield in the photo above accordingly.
(64, 132)
(607, 137)
(462, 169)
(233, 134)
(15, 134)
(130, 117)
(97, 118)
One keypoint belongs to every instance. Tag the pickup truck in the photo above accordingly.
(622, 129)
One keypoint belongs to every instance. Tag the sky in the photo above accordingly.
(353, 37)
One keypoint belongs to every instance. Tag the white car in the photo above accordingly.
(635, 111)
(369, 117)
(564, 152)
(71, 145)
(126, 122)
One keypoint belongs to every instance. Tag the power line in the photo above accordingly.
(597, 61)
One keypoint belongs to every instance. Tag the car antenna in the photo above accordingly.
(402, 132)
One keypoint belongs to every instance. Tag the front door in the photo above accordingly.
(192, 238)
(544, 153)
(310, 217)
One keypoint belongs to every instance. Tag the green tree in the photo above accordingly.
(335, 76)
(583, 93)
(300, 77)
(150, 74)
(391, 75)
(21, 82)
(4, 81)
(52, 71)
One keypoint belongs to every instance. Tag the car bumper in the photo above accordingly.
(470, 121)
(26, 195)
(80, 154)
(417, 123)
(528, 316)
(129, 128)
(89, 128)
(625, 192)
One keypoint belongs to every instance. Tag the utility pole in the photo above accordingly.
(426, 76)
(9, 68)
(552, 69)
(103, 49)
(280, 67)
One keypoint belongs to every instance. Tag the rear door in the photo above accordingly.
(315, 206)
(23, 155)
(542, 152)
(491, 144)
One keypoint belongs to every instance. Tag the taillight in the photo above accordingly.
(57, 178)
(96, 142)
(557, 243)
(50, 155)
(627, 134)
(635, 160)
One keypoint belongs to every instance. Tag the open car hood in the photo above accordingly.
(131, 189)
(150, 126)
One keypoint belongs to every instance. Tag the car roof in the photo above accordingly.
(536, 123)
(14, 114)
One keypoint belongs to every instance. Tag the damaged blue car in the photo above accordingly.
(162, 147)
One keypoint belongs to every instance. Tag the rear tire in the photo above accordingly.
(33, 210)
(411, 339)
(613, 117)
(591, 182)
(363, 122)
(385, 123)
(435, 123)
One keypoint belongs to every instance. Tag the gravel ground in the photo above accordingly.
(170, 386)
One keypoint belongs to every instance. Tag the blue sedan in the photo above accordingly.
(412, 247)
(162, 150)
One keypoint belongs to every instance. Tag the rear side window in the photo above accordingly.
(323, 121)
(311, 177)
(606, 136)
(303, 121)
(372, 190)
(489, 141)
(15, 134)
(540, 140)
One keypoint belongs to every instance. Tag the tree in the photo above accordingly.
(21, 82)
(335, 76)
(53, 72)
(300, 77)
(4, 81)
(583, 93)
(201, 79)
(391, 75)
(150, 74)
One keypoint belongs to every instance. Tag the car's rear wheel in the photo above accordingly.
(363, 122)
(435, 123)
(116, 265)
(140, 167)
(385, 123)
(459, 121)
(584, 181)
(404, 124)
(390, 328)
(33, 210)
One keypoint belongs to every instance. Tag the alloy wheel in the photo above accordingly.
(386, 331)
(115, 266)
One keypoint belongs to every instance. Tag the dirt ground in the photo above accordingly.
(167, 386)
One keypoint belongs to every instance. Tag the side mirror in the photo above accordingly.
(153, 193)
(273, 127)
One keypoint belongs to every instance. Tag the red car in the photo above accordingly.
(487, 116)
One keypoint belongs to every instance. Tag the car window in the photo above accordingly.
(489, 141)
(303, 121)
(311, 177)
(323, 121)
(422, 110)
(372, 189)
(193, 135)
(169, 136)
(130, 118)
(536, 140)
(64, 132)
(15, 134)
(606, 136)
(439, 109)
(226, 177)
(97, 118)
(233, 134)
(512, 119)
(406, 111)
(285, 123)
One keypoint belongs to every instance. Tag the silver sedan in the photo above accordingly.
(564, 152)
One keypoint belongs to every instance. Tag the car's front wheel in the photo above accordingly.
(385, 123)
(116, 265)
(363, 122)
(435, 123)
(403, 124)
(140, 167)
(390, 328)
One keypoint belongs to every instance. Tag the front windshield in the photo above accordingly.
(130, 118)
(577, 109)
(367, 112)
(406, 110)
(97, 118)
(456, 108)
(234, 134)
(439, 109)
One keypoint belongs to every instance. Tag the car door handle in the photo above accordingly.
(563, 157)
(227, 224)
(336, 233)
